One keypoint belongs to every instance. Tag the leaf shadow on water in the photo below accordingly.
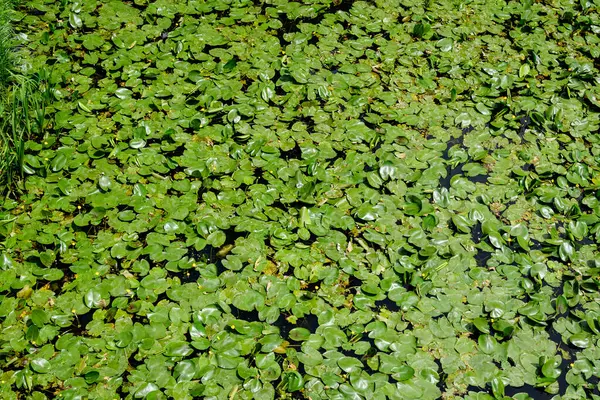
(387, 304)
(188, 275)
(441, 383)
(363, 357)
(134, 363)
(457, 169)
(482, 257)
(249, 316)
(564, 365)
(291, 25)
(510, 391)
(586, 241)
(210, 255)
(78, 327)
(532, 391)
(81, 321)
(294, 154)
(525, 121)
(309, 321)
(476, 233)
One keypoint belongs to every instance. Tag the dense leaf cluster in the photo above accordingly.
(313, 199)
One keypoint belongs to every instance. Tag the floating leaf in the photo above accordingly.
(403, 373)
(487, 343)
(177, 349)
(580, 340)
(293, 381)
(41, 365)
(104, 182)
(91, 377)
(550, 370)
(498, 388)
(39, 317)
(482, 325)
(123, 93)
(92, 298)
(299, 334)
(145, 389)
(349, 364)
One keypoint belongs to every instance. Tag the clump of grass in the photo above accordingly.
(9, 154)
(22, 117)
(7, 43)
(23, 102)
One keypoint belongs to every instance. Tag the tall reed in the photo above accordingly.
(23, 101)
(7, 43)
(22, 117)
